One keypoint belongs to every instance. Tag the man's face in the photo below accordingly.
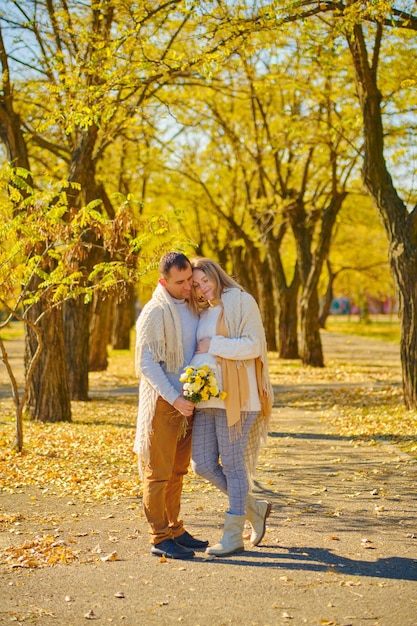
(178, 282)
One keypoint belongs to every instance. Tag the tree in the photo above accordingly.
(272, 153)
(56, 395)
(35, 246)
(40, 247)
(400, 223)
(369, 28)
(112, 68)
(84, 72)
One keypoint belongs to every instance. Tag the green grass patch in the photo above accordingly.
(381, 327)
(14, 330)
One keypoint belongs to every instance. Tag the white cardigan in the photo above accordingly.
(245, 348)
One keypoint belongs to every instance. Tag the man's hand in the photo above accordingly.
(185, 407)
(203, 345)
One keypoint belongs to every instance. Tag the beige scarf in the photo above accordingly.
(158, 328)
(235, 381)
(240, 316)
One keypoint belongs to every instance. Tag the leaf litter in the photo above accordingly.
(91, 458)
(362, 400)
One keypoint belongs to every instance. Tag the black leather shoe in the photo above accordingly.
(172, 550)
(188, 541)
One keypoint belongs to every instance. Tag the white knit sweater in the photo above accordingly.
(239, 348)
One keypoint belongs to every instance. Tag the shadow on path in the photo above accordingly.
(333, 437)
(323, 560)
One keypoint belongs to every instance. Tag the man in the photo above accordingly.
(165, 344)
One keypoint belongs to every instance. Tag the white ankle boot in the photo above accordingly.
(232, 540)
(256, 512)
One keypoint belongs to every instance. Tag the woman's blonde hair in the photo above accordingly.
(216, 273)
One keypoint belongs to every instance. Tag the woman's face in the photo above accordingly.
(204, 286)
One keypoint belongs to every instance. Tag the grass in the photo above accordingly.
(381, 327)
(13, 330)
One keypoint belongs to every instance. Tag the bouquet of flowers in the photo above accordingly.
(200, 384)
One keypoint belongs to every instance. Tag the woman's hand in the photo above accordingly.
(203, 345)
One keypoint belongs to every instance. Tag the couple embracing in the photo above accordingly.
(198, 315)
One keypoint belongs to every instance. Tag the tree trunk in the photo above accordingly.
(288, 322)
(310, 264)
(285, 297)
(100, 333)
(328, 298)
(254, 276)
(76, 319)
(77, 313)
(400, 225)
(11, 132)
(49, 399)
(241, 269)
(406, 270)
(123, 320)
(268, 307)
(312, 351)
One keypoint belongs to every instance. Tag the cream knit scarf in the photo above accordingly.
(242, 317)
(158, 329)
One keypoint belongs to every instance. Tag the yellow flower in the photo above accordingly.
(200, 384)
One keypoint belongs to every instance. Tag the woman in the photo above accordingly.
(227, 434)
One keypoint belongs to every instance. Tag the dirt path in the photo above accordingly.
(340, 548)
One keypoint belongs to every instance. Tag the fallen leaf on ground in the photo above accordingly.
(40, 552)
(113, 556)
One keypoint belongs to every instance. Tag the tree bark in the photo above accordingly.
(100, 333)
(251, 272)
(407, 271)
(123, 320)
(49, 399)
(77, 313)
(288, 322)
(310, 265)
(285, 297)
(328, 297)
(76, 320)
(268, 307)
(311, 349)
